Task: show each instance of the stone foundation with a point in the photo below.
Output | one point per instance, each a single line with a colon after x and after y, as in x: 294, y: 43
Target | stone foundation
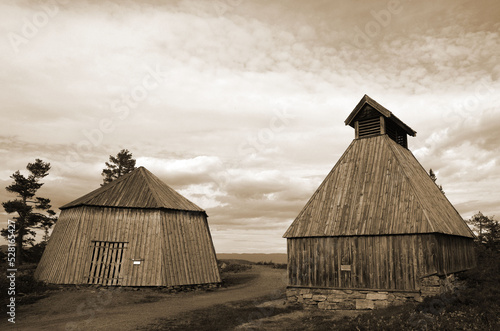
x: 326, y: 298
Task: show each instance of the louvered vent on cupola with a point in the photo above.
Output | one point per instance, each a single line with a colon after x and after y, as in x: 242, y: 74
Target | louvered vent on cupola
x: 371, y: 119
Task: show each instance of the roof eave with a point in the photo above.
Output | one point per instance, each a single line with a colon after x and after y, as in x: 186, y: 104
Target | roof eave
x: 131, y: 207
x: 374, y: 235
x: 405, y: 127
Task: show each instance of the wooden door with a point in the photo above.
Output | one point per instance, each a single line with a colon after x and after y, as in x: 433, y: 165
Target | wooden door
x: 106, y: 262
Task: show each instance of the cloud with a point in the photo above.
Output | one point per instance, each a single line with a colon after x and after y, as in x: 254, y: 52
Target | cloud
x: 224, y: 75
x: 182, y: 172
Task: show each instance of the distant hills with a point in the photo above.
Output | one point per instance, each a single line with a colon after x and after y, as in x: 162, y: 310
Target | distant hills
x: 275, y: 257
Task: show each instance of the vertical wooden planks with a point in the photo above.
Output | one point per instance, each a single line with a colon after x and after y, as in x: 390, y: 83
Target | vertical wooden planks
x: 377, y: 262
x: 190, y: 258
x: 169, y: 267
x: 382, y: 125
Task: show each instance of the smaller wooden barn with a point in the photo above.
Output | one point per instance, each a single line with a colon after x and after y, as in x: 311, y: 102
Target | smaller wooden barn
x: 134, y: 231
x: 378, y: 230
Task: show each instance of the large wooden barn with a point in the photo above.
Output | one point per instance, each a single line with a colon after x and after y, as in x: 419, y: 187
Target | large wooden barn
x: 134, y: 231
x: 378, y: 230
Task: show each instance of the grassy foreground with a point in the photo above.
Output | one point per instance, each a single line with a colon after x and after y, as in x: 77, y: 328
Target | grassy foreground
x: 475, y: 307
x: 27, y: 289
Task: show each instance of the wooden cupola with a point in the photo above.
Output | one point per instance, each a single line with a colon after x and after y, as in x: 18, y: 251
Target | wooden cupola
x: 369, y: 119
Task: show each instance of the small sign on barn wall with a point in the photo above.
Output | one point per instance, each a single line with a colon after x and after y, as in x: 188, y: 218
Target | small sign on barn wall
x: 345, y: 267
x: 136, y: 261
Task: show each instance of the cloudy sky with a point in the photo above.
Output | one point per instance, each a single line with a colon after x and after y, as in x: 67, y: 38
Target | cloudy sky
x: 240, y: 104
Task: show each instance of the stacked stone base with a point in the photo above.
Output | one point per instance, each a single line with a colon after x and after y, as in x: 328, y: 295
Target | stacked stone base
x: 341, y: 299
x: 348, y: 299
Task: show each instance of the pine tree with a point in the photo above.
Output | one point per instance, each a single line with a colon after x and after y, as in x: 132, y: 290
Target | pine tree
x: 26, y: 204
x: 434, y: 178
x: 118, y: 165
x: 488, y: 230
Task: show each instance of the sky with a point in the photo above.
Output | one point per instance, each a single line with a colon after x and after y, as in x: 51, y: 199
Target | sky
x: 240, y: 105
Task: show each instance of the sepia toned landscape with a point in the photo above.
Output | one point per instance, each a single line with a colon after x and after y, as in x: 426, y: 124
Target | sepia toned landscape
x: 250, y: 165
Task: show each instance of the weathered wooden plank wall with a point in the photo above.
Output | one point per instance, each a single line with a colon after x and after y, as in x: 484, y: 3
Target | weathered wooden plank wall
x: 55, y: 261
x: 173, y: 247
x: 375, y: 262
x: 189, y: 256
x: 454, y: 254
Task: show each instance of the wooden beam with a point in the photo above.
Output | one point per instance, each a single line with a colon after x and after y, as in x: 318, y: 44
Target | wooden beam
x: 382, y: 125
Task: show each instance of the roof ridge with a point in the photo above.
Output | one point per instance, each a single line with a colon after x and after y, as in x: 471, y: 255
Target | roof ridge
x: 154, y: 180
x: 138, y: 189
x: 100, y: 190
x: 319, y: 188
x: 147, y: 177
x: 444, y: 196
x: 407, y: 178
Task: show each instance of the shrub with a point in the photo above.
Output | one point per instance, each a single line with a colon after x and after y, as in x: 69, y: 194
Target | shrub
x: 272, y: 264
x: 227, y: 266
x: 34, y: 253
x: 28, y: 290
x: 280, y: 266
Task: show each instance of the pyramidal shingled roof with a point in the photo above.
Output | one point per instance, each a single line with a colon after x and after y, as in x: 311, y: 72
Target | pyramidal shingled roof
x: 137, y: 189
x: 377, y: 188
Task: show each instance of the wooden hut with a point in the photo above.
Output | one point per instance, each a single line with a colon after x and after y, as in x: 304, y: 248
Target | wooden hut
x: 134, y: 231
x: 378, y: 230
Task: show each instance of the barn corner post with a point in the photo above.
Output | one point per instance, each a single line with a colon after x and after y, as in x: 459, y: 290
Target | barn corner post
x: 377, y: 231
x: 134, y: 231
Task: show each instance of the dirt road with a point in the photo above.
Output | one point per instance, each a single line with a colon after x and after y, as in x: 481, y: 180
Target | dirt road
x: 118, y: 309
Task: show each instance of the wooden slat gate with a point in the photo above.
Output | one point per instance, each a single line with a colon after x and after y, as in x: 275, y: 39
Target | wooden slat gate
x: 106, y: 262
